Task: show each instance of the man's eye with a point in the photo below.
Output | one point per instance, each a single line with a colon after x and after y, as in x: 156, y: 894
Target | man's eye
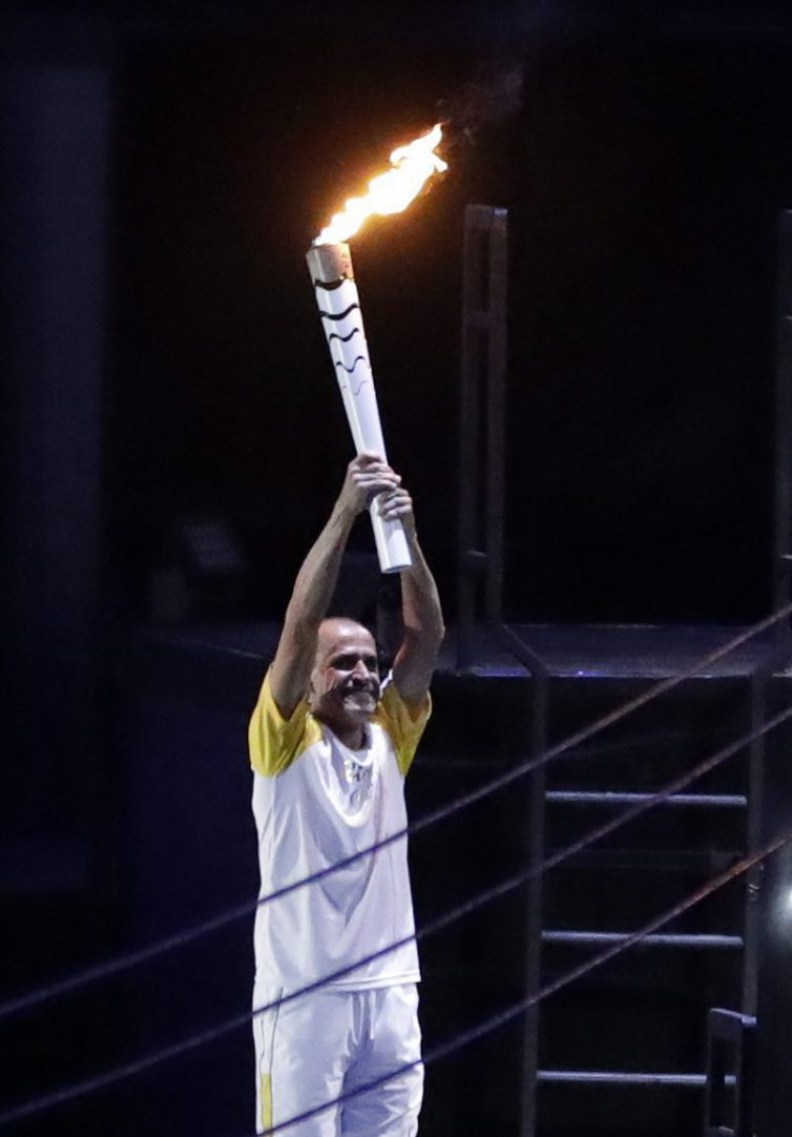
x: 349, y: 662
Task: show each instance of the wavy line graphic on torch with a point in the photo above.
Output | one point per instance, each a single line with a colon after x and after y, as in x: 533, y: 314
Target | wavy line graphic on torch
x: 337, y: 315
x: 330, y: 265
x: 351, y: 370
x: 343, y: 326
x: 356, y: 390
x: 344, y: 339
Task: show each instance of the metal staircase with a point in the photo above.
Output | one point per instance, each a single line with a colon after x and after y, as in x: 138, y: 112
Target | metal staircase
x: 629, y: 1048
x: 637, y: 1025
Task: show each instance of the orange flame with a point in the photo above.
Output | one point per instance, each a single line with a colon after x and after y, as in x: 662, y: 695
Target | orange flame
x: 391, y: 192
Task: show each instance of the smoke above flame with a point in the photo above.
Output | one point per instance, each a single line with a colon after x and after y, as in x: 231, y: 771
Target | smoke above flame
x: 411, y: 167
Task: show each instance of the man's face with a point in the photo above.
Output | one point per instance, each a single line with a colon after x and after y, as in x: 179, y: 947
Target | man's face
x: 345, y: 680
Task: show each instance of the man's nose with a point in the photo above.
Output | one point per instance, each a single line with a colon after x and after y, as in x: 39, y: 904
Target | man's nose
x: 361, y: 670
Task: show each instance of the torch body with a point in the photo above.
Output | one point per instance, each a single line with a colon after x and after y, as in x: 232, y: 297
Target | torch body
x: 339, y: 307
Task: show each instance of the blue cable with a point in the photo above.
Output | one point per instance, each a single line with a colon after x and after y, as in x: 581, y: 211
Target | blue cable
x: 202, y: 1038
x: 125, y: 962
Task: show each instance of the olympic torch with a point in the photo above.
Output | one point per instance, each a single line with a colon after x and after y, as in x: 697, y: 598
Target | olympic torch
x: 330, y: 265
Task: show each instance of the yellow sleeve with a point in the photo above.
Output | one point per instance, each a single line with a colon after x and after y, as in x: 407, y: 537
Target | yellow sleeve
x: 274, y: 742
x: 404, y: 722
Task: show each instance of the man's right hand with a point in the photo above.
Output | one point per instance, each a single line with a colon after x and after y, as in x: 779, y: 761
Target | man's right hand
x: 367, y: 475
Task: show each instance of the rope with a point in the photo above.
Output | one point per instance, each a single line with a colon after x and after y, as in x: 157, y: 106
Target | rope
x: 99, y: 972
x: 488, y: 1026
x: 203, y: 1038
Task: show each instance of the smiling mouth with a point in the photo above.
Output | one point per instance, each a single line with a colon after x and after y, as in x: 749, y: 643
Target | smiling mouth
x: 360, y: 699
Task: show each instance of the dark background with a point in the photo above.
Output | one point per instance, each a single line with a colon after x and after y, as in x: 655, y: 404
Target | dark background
x: 165, y: 169
x: 643, y: 175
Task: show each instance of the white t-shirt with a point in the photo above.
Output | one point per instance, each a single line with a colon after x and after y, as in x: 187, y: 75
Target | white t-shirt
x: 316, y: 803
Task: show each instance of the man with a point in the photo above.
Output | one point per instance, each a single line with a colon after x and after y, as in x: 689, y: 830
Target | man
x: 330, y: 747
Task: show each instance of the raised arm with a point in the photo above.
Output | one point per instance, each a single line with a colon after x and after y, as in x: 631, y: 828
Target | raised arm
x: 366, y: 476
x: 422, y: 614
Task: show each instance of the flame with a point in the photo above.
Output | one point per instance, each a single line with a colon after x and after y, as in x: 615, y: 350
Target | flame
x: 411, y: 167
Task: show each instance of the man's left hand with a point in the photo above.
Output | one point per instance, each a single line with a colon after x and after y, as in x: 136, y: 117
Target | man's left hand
x: 396, y: 505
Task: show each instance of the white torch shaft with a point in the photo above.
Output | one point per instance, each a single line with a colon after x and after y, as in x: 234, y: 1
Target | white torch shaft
x: 342, y: 320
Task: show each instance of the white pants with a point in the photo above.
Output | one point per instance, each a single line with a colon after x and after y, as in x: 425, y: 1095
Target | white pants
x: 313, y: 1049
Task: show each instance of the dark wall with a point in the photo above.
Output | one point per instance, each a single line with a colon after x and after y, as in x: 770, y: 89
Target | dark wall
x: 650, y: 184
x: 230, y: 159
x: 165, y: 360
x: 643, y: 177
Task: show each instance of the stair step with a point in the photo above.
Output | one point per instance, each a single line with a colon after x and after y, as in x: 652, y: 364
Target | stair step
x: 618, y: 1078
x: 608, y: 797
x: 657, y: 939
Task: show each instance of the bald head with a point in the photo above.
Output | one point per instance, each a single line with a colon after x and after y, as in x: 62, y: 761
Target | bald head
x: 339, y: 630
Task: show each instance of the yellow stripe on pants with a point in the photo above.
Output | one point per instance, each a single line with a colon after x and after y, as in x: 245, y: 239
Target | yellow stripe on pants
x: 265, y: 1098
